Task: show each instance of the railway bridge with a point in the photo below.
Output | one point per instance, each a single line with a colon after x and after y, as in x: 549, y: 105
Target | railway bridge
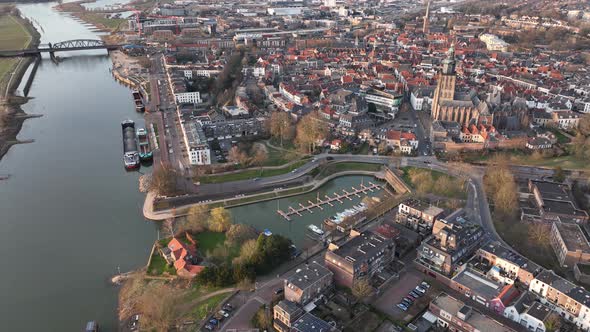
x: 64, y: 46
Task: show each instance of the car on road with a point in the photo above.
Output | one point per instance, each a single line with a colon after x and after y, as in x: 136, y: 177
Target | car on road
x: 330, y: 158
x: 279, y: 291
x: 402, y: 307
x: 256, y: 179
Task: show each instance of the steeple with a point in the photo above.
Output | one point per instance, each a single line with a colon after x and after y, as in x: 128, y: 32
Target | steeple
x: 449, y: 61
x: 425, y: 26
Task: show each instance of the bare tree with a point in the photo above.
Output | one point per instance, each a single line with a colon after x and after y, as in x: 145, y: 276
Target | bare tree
x: 157, y: 306
x: 362, y: 289
x: 196, y: 219
x: 310, y: 130
x: 247, y: 251
x: 163, y: 181
x: 280, y: 124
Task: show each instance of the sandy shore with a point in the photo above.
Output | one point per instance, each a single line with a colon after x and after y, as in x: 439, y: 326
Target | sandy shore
x: 11, y: 114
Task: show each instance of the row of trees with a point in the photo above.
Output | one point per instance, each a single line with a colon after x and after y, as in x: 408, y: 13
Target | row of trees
x: 248, y: 155
x: 200, y: 219
x: 501, y: 187
x: 308, y: 132
x: 258, y: 256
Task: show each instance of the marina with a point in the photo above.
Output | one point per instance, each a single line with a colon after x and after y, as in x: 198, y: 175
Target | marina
x: 328, y: 200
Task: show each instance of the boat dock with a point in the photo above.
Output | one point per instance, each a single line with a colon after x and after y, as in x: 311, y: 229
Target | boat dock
x: 328, y: 200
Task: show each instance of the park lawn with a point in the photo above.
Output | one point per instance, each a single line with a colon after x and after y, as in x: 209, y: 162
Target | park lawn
x: 208, y: 240
x: 13, y: 35
x: 278, y: 157
x: 406, y: 177
x: 249, y: 174
x: 349, y: 166
x: 205, y: 308
x: 158, y: 266
x: 565, y: 162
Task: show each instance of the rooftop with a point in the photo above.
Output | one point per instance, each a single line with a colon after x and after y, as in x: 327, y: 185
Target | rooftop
x: 573, y: 237
x: 362, y: 247
x: 502, y: 252
x: 478, y: 283
x: 307, y: 276
x: 475, y: 319
x: 309, y: 322
x: 539, y: 311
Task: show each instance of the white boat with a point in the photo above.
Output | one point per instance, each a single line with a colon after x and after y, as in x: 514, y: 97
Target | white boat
x: 315, y: 229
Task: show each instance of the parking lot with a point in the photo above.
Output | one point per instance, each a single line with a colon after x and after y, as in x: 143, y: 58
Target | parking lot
x: 388, y: 301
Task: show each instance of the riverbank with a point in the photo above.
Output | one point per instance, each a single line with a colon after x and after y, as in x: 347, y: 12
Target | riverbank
x: 22, y: 34
x: 150, y: 213
x: 97, y: 18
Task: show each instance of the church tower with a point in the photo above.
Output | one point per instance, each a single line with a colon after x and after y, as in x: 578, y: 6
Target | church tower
x: 426, y: 24
x: 445, y: 87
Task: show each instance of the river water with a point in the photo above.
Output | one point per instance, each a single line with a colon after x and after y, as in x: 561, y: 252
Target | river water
x: 70, y: 215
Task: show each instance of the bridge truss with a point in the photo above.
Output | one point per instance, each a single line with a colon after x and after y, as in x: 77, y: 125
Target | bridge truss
x: 78, y: 43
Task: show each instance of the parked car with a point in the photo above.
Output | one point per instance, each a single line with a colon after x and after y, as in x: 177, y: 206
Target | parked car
x: 409, y: 299
x: 209, y: 327
x: 412, y: 295
x: 279, y: 291
x: 415, y: 294
x: 425, y: 285
x: 403, y: 307
x: 419, y: 290
x: 213, y: 321
x: 223, y: 313
x: 228, y: 307
x: 406, y: 303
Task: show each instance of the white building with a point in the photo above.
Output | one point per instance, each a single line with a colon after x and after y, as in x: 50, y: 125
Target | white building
x: 421, y: 98
x: 285, y: 11
x: 196, y: 143
x: 493, y: 43
x: 188, y: 74
x: 188, y: 98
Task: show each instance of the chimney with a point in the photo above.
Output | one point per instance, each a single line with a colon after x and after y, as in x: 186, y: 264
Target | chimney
x: 354, y: 233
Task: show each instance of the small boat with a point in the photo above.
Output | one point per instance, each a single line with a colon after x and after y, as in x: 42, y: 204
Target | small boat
x: 315, y: 229
x: 138, y: 98
x: 91, y: 326
x: 145, y: 152
x: 267, y: 232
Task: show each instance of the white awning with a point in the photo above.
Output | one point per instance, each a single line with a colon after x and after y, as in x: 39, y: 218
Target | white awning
x: 429, y: 316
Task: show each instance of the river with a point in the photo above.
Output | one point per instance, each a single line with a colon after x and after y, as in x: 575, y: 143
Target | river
x: 70, y: 214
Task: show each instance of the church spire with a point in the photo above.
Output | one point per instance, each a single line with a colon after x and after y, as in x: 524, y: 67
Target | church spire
x: 449, y: 61
x: 426, y: 24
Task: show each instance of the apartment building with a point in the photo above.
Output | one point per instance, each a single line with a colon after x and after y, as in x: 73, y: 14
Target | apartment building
x: 360, y: 257
x: 308, y: 283
x: 454, y: 315
x: 507, y: 266
x: 570, y: 244
x: 418, y: 215
x: 451, y: 242
x: 555, y: 202
x: 570, y: 301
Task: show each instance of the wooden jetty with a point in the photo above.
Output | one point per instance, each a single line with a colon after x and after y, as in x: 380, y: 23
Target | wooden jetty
x: 328, y: 200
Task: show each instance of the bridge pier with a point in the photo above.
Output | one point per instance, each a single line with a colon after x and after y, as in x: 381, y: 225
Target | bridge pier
x: 53, y: 57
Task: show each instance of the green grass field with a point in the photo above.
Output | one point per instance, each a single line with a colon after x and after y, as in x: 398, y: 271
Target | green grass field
x: 349, y: 166
x: 248, y: 174
x: 13, y: 35
x: 207, y: 241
